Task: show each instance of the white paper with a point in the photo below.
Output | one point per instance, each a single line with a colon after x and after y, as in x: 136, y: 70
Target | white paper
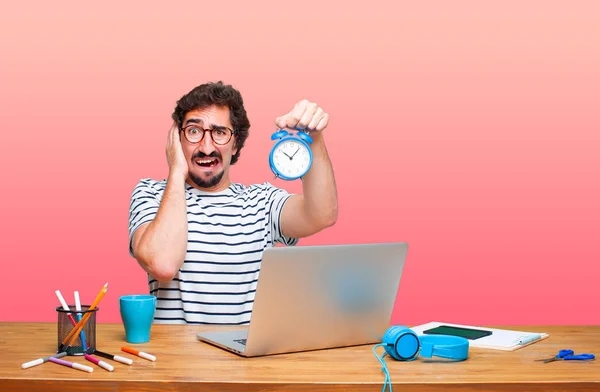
x: 500, y: 339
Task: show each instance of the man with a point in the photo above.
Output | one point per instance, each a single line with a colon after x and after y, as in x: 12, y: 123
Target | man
x: 199, y: 236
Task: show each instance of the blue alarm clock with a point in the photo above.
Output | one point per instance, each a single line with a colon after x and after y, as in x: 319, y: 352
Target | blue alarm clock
x: 291, y: 156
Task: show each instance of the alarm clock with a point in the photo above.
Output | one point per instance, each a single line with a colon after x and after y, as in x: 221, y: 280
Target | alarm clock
x: 291, y: 156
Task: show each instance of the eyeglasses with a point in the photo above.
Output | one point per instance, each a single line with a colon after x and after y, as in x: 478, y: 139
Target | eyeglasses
x: 219, y: 134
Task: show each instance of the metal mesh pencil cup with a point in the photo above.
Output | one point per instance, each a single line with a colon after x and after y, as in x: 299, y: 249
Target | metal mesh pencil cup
x: 65, y: 326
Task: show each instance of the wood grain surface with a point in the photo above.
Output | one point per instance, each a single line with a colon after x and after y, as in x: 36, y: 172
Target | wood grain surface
x: 185, y: 364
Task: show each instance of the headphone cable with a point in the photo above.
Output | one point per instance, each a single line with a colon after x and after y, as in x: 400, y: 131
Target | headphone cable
x: 387, y: 380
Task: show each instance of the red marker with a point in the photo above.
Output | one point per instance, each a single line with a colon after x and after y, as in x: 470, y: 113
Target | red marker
x: 102, y: 364
x: 65, y: 306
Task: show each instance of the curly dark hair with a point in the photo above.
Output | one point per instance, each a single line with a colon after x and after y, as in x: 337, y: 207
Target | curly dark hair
x: 218, y: 94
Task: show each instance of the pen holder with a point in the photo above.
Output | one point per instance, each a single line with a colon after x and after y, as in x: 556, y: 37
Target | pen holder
x: 65, y: 326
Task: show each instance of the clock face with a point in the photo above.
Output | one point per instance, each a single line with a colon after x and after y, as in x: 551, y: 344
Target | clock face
x: 291, y: 158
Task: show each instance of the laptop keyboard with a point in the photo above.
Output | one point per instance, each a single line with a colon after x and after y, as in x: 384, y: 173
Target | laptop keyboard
x: 240, y: 341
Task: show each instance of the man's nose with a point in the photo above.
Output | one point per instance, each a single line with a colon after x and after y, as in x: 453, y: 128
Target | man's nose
x: 207, y: 145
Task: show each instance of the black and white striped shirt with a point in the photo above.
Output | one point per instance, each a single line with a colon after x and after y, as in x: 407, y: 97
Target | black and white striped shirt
x: 227, y: 234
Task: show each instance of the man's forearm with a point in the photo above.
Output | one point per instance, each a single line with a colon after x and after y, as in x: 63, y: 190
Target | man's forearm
x: 162, y: 247
x: 318, y: 186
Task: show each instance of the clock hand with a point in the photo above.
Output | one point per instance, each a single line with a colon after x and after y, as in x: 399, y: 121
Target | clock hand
x: 294, y: 153
x: 286, y: 154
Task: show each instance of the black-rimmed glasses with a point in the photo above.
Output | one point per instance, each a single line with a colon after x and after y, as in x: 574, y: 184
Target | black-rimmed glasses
x: 219, y: 134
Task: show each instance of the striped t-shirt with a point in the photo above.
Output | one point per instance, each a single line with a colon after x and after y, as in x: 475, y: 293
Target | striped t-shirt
x: 227, y: 234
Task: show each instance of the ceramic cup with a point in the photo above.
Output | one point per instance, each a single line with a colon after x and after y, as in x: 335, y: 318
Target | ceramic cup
x: 137, y: 313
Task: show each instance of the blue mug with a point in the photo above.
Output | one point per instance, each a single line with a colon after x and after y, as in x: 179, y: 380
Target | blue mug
x: 137, y: 313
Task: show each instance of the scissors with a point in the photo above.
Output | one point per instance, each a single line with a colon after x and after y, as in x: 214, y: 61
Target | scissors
x: 568, y: 355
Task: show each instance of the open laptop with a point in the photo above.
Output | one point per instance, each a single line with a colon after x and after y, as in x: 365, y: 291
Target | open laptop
x: 317, y: 297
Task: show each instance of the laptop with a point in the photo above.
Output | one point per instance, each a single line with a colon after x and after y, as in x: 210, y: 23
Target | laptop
x: 318, y: 297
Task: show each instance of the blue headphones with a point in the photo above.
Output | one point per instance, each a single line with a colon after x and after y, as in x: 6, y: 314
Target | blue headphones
x: 403, y: 344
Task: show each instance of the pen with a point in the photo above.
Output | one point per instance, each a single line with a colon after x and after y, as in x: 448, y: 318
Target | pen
x: 71, y: 364
x: 142, y: 354
x: 528, y: 339
x: 39, y: 361
x: 102, y: 364
x: 117, y: 358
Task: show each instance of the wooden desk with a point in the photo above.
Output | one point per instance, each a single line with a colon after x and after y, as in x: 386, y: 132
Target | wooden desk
x: 184, y: 364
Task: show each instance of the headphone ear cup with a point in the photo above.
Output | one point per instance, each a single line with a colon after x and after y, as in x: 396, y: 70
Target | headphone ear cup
x: 401, y: 343
x: 390, y: 337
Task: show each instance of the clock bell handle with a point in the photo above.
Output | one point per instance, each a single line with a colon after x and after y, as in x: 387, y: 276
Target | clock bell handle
x: 305, y: 136
x: 279, y: 134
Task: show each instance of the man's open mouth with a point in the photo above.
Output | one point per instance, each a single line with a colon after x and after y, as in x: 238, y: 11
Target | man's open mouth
x: 207, y: 162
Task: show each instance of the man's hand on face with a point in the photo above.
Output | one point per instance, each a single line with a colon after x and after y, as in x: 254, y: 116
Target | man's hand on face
x: 177, y: 164
x: 305, y: 115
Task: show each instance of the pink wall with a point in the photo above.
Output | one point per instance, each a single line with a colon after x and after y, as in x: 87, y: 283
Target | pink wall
x: 468, y: 130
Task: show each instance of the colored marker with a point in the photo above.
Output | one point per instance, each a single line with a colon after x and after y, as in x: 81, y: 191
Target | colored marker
x: 141, y: 354
x: 78, y: 308
x: 117, y: 358
x: 71, y: 364
x: 65, y: 306
x: 39, y: 361
x: 102, y: 364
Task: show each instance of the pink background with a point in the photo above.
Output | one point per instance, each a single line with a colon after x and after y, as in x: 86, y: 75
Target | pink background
x: 468, y: 130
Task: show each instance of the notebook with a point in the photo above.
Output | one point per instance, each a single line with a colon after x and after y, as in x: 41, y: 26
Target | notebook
x: 499, y: 339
